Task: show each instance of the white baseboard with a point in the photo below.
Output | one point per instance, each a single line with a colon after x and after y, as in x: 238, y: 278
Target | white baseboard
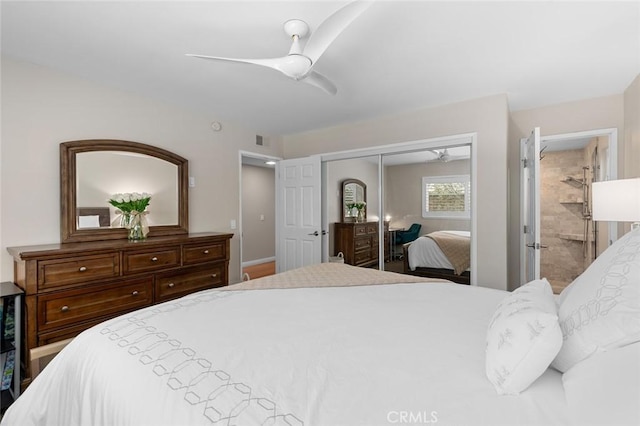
x: 258, y: 261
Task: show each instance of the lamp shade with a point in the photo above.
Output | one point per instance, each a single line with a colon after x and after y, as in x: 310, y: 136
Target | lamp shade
x: 616, y: 200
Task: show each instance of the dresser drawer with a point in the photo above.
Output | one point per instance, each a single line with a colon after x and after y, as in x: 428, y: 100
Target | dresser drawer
x: 360, y: 229
x: 151, y: 260
x: 372, y: 228
x: 362, y: 257
x: 187, y: 280
x: 204, y: 253
x: 362, y: 244
x: 74, y: 306
x: 79, y: 269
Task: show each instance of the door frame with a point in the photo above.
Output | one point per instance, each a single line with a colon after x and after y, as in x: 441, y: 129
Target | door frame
x: 404, y: 147
x: 612, y: 133
x: 257, y: 156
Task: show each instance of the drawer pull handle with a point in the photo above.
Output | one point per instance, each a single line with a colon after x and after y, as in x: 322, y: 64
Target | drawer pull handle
x: 206, y: 252
x: 82, y: 268
x: 171, y: 285
x: 214, y: 275
x: 154, y: 259
x: 65, y: 308
x: 135, y: 293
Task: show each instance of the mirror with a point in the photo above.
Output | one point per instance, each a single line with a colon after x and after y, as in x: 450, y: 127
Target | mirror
x: 92, y: 171
x: 354, y: 194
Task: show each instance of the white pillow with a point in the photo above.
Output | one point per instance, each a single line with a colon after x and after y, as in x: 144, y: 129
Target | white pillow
x: 601, y: 308
x: 91, y: 221
x: 605, y: 388
x: 523, y: 338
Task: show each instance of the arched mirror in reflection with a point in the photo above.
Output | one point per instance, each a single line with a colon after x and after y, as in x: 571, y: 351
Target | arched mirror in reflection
x: 93, y: 171
x: 354, y: 200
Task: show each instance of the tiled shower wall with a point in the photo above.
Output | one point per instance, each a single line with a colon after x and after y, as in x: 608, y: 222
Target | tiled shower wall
x: 561, y: 223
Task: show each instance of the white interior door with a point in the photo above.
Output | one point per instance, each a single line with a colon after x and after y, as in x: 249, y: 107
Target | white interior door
x: 531, y: 209
x: 298, y: 209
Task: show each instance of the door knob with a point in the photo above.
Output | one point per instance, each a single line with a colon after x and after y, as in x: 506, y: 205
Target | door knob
x: 314, y: 234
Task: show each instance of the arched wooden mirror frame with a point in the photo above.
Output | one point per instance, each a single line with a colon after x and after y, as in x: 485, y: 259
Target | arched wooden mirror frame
x: 69, y: 231
x: 346, y: 182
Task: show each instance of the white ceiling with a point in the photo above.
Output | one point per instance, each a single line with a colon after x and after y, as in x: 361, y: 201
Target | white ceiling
x: 398, y: 55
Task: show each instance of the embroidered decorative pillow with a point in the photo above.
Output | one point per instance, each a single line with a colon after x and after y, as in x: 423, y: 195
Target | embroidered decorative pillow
x: 600, y: 310
x: 523, y: 338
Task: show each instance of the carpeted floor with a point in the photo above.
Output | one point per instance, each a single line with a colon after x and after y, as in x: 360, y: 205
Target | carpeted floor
x: 395, y: 266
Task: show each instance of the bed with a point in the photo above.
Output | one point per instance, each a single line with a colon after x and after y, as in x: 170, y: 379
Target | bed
x: 93, y: 217
x: 425, y: 256
x: 380, y: 349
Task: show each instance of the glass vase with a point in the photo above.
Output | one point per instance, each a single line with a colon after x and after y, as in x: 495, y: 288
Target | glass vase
x: 125, y: 220
x: 135, y: 228
x: 360, y: 217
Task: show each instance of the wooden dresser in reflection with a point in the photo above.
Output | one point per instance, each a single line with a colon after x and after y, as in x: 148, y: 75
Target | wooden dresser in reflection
x: 73, y: 286
x: 359, y: 242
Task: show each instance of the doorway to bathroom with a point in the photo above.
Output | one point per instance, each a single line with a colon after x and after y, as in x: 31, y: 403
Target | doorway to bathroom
x: 569, y: 239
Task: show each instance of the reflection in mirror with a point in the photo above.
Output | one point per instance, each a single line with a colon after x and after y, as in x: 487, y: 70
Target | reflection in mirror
x: 100, y: 174
x: 93, y: 171
x: 423, y: 196
x: 354, y: 195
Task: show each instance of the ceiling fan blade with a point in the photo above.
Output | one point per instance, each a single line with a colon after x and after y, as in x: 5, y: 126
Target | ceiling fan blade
x: 294, y: 66
x: 331, y: 28
x: 318, y: 80
x: 271, y: 63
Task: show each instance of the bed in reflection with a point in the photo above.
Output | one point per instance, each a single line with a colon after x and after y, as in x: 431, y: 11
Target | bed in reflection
x: 334, y: 344
x: 93, y: 217
x: 440, y: 254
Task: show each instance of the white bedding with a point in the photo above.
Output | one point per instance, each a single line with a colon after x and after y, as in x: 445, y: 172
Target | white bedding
x: 368, y: 355
x: 424, y: 252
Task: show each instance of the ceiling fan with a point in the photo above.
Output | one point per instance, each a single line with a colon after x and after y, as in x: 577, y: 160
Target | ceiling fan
x: 443, y: 156
x: 299, y: 62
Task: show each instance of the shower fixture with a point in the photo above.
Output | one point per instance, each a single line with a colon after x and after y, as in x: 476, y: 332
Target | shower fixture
x: 578, y: 183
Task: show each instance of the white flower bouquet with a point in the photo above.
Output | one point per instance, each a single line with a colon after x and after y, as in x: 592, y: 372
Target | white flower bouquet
x: 130, y: 201
x: 131, y: 208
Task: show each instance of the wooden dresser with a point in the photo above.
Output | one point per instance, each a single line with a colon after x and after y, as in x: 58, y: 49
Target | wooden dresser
x: 73, y: 286
x: 359, y: 242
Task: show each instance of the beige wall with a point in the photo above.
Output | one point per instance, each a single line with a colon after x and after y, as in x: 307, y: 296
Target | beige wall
x: 487, y: 116
x: 41, y: 108
x: 258, y: 213
x: 403, y: 200
x: 590, y: 114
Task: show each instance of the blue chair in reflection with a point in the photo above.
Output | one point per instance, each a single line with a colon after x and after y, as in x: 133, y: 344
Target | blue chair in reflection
x: 403, y: 237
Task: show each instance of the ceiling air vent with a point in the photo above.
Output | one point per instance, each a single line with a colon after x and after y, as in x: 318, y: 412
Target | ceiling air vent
x: 259, y: 140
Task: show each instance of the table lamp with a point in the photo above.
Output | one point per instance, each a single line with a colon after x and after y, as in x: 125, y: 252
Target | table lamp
x: 617, y: 201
